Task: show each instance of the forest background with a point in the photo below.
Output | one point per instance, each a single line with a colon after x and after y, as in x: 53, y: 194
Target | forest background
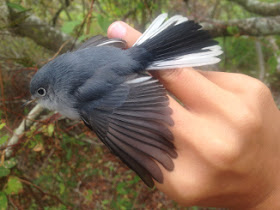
x: 50, y: 162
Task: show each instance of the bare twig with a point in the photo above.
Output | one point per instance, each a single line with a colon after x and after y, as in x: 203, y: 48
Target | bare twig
x: 90, y: 141
x: 3, y: 95
x: 2, y: 158
x: 47, y: 159
x: 41, y: 190
x: 57, y: 15
x: 26, y: 123
x: 89, y: 17
x: 59, y: 50
x: 36, y: 196
x: 62, y: 7
x: 81, y: 27
x: 260, y: 7
x: 11, y: 201
x: 257, y: 26
x: 260, y: 60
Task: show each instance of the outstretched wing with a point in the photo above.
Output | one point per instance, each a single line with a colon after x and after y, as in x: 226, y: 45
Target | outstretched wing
x: 133, y: 122
x: 99, y: 40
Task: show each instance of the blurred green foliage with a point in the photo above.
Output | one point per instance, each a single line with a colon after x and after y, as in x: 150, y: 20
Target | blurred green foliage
x: 59, y: 164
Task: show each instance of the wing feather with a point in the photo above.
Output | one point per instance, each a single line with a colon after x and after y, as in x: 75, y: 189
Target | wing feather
x: 133, y: 122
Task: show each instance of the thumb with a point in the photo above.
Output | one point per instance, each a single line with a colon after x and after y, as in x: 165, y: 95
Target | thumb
x: 123, y: 31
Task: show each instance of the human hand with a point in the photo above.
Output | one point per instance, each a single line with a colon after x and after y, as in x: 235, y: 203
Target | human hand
x: 226, y: 134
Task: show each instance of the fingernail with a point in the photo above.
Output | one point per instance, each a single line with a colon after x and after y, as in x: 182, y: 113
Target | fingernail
x: 117, y: 30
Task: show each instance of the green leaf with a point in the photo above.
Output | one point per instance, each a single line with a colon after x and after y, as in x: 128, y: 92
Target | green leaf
x: 50, y: 129
x: 104, y: 202
x: 4, y: 139
x: 2, y: 125
x: 121, y: 188
x: 103, y: 22
x: 61, y: 188
x: 136, y: 179
x: 4, y: 171
x: 82, y: 37
x: 59, y: 207
x: 272, y: 64
x: 89, y: 195
x: 10, y: 163
x: 140, y: 5
x: 17, y: 7
x: 3, y: 201
x: 69, y: 26
x: 232, y: 30
x: 14, y: 186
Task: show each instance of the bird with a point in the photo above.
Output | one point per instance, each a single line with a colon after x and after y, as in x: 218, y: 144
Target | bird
x: 109, y: 87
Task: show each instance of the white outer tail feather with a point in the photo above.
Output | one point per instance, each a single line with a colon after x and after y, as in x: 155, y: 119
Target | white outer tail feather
x: 155, y: 25
x: 188, y: 60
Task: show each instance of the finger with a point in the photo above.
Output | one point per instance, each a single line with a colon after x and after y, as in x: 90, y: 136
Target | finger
x: 228, y: 81
x: 123, y: 31
x: 189, y: 136
x: 191, y: 88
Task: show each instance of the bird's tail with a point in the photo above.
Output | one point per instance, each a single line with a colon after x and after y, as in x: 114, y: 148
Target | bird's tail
x: 175, y: 43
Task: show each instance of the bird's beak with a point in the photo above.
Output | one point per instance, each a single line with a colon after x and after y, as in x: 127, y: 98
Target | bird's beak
x: 29, y: 102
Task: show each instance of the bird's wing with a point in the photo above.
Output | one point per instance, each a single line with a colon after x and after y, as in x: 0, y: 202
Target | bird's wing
x: 99, y: 40
x: 136, y: 129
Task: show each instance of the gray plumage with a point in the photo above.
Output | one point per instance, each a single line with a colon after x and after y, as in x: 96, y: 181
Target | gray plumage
x: 108, y: 88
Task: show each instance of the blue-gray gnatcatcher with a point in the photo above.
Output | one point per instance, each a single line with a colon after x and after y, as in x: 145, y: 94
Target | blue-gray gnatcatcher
x: 109, y: 88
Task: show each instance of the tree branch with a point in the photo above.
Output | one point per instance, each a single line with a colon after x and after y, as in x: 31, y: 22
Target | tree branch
x: 261, y: 8
x: 28, y: 25
x: 258, y: 26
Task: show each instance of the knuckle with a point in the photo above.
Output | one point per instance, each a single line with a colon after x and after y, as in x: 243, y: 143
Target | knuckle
x: 248, y: 120
x: 257, y: 88
x: 247, y: 116
x: 195, y: 184
x: 227, y: 152
x: 246, y: 125
x: 252, y: 86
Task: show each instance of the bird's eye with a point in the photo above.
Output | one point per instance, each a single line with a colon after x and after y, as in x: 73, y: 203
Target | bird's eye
x: 41, y: 91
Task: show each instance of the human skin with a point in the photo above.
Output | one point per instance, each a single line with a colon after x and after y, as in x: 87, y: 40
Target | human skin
x: 227, y: 136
